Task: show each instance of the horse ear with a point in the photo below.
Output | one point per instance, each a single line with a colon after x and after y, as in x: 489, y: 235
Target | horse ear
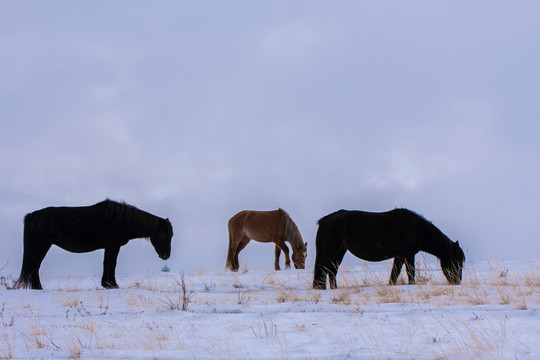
x: 305, y: 244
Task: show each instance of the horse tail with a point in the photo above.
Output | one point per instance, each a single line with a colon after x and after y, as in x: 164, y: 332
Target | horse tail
x: 24, y: 277
x: 234, y: 224
x: 320, y: 271
x: 228, y: 263
x: 324, y: 235
x: 326, y: 245
x: 319, y: 244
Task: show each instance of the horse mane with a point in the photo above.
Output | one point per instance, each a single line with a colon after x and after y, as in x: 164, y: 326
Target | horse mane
x: 124, y: 213
x: 291, y: 230
x: 430, y: 230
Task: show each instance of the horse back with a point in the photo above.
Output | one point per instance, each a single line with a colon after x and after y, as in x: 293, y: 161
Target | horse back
x: 371, y: 236
x: 263, y: 226
x: 76, y: 229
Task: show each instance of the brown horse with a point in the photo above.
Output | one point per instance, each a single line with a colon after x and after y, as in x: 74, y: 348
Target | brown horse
x: 266, y: 226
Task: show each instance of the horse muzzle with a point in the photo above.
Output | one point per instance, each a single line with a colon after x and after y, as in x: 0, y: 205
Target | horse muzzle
x: 164, y: 256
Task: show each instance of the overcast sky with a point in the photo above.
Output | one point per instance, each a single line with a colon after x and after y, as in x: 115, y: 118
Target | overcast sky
x: 195, y: 110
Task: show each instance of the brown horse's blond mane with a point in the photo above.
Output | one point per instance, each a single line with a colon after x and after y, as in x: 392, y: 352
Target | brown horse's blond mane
x: 291, y: 231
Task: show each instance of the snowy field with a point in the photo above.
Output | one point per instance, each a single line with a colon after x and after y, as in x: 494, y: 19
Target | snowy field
x: 257, y: 314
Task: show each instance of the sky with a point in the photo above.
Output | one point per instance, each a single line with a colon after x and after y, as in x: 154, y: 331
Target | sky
x: 197, y: 110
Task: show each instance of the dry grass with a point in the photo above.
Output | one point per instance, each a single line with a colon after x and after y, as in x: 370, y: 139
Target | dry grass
x: 92, y: 330
x: 500, y: 287
x: 70, y: 300
x: 475, y: 295
x: 74, y: 349
x: 370, y: 287
x: 270, y: 279
x: 531, y: 279
x: 149, y: 283
x: 479, y: 339
x: 285, y: 294
x: 341, y: 296
x: 265, y: 329
x: 183, y: 297
x: 316, y: 296
x: 135, y: 300
x: 243, y: 297
x: 8, y: 340
x: 389, y: 294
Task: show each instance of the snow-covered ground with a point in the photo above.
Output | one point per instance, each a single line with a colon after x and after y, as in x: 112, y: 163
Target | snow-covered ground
x: 260, y: 314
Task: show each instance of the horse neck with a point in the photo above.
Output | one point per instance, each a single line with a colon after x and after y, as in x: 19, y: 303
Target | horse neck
x: 293, y: 235
x: 141, y: 224
x: 435, y: 242
x: 296, y: 243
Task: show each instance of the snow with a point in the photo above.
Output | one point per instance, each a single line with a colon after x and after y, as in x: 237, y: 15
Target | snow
x: 264, y: 314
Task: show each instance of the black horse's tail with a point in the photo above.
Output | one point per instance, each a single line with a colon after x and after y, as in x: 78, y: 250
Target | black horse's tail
x: 24, y: 278
x: 327, y: 246
x: 319, y: 273
x: 321, y: 239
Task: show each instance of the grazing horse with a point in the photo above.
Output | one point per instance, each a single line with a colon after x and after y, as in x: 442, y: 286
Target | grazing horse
x: 266, y: 226
x: 106, y: 225
x: 398, y: 234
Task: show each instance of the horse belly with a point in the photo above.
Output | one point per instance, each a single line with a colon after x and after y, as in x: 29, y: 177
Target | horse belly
x: 371, y: 255
x: 259, y: 236
x: 77, y: 233
x: 369, y: 250
x: 79, y: 244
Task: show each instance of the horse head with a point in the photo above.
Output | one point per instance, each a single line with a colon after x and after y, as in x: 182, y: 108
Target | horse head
x: 161, y: 240
x: 452, y: 266
x: 299, y: 256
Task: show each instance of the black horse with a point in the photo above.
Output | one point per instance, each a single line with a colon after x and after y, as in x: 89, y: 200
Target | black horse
x: 398, y: 234
x: 106, y: 225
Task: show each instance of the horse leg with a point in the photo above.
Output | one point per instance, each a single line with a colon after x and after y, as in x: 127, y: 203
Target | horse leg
x: 282, y: 246
x: 34, y: 250
x: 334, y: 268
x: 410, y: 267
x: 321, y: 268
x: 27, y: 270
x: 243, y: 243
x: 327, y: 263
x: 108, y: 280
x: 277, y: 253
x: 396, y: 269
x: 34, y: 277
x: 230, y: 252
x: 319, y: 277
x: 33, y: 256
x: 30, y: 269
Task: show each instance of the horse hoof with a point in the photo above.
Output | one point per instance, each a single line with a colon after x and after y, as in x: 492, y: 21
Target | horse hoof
x: 110, y: 286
